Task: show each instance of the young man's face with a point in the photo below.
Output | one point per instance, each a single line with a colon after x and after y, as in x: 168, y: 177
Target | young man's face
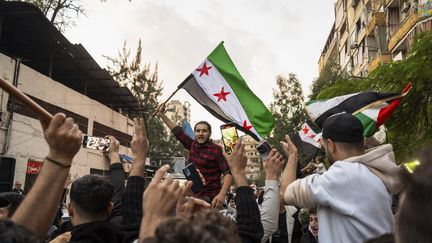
x: 17, y: 185
x: 202, y: 133
x: 313, y: 224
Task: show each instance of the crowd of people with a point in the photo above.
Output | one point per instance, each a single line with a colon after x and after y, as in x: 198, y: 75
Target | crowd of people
x: 351, y: 201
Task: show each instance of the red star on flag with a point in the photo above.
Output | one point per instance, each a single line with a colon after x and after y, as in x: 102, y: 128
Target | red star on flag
x: 312, y: 136
x: 305, y: 130
x: 204, y: 69
x: 222, y: 94
x: 245, y: 125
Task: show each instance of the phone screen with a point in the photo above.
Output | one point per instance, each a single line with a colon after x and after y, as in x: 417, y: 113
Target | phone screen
x: 97, y: 143
x: 229, y: 137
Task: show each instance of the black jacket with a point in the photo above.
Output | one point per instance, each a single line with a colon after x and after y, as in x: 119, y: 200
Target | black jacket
x: 97, y: 232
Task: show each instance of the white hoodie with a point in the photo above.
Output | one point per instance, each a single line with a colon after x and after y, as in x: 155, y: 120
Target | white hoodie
x: 353, y: 196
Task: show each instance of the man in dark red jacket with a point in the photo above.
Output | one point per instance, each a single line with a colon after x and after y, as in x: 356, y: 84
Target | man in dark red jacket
x: 207, y: 158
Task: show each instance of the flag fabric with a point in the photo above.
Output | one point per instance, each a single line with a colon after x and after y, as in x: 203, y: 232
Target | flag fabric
x: 218, y: 86
x: 305, y: 140
x: 372, y: 108
x: 372, y: 118
x: 188, y: 129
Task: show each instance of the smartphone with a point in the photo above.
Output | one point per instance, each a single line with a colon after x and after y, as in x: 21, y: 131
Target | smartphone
x: 264, y: 149
x: 191, y: 174
x: 229, y: 136
x: 97, y: 143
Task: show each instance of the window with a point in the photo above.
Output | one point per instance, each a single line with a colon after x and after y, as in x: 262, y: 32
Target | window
x: 94, y: 171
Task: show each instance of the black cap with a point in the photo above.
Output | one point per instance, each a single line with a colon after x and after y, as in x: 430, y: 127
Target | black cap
x: 4, y: 202
x: 343, y: 127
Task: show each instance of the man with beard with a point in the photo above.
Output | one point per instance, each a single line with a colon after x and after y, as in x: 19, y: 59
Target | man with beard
x: 354, y: 196
x: 207, y: 158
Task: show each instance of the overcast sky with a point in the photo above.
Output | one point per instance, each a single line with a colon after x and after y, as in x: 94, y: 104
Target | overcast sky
x: 263, y: 37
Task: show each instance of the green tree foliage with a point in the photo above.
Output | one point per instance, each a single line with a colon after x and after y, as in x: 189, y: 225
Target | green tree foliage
x: 287, y: 108
x: 410, y: 126
x: 330, y: 74
x: 145, y: 86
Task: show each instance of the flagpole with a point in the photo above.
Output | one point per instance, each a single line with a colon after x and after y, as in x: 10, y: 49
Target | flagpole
x: 175, y: 91
x: 18, y: 94
x: 155, y: 112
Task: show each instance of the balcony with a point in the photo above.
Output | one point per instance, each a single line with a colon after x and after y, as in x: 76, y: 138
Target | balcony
x: 376, y: 19
x: 378, y: 60
x: 402, y: 30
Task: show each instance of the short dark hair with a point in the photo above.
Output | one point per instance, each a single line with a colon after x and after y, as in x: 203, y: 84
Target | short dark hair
x: 312, y: 211
x: 351, y: 146
x: 11, y: 233
x: 205, y: 123
x: 414, y: 226
x: 202, y: 227
x: 92, y: 195
x: 14, y: 200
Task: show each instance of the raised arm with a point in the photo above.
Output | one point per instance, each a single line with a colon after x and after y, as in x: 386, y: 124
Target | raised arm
x: 39, y: 207
x: 165, y: 119
x: 132, y: 197
x: 248, y: 216
x: 289, y: 173
x: 270, y: 207
x: 117, y: 178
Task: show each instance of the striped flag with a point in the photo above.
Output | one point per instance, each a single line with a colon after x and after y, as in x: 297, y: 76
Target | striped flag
x: 305, y: 140
x: 218, y: 86
x: 372, y: 108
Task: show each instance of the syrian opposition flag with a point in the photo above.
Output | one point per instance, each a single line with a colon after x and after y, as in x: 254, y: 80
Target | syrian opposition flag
x: 372, y: 108
x: 305, y: 140
x: 218, y: 86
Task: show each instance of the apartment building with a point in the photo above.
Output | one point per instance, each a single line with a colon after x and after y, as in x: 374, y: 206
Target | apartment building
x: 367, y: 33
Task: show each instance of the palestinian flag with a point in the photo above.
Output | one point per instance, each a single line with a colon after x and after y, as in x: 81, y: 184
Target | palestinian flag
x: 218, y: 86
x: 372, y: 108
x: 305, y: 140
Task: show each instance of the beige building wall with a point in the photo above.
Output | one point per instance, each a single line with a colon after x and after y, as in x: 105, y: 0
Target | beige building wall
x: 253, y: 167
x: 26, y: 140
x: 373, y: 32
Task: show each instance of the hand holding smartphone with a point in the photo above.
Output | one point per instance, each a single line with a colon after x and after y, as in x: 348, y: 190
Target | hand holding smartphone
x: 264, y: 149
x: 229, y: 137
x: 191, y: 174
x: 97, y: 143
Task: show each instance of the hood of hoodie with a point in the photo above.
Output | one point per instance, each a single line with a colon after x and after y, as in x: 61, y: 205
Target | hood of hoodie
x: 380, y: 160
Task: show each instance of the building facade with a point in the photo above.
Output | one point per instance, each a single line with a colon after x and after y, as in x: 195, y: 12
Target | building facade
x: 178, y: 111
x: 253, y: 167
x: 61, y: 77
x: 368, y: 33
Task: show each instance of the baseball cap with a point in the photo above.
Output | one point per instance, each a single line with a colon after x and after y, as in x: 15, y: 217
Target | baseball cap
x: 343, y: 127
x: 4, y: 202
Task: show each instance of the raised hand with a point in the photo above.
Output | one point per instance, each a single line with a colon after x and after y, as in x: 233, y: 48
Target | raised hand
x: 159, y: 199
x: 188, y: 205
x: 139, y: 143
x: 273, y: 165
x: 64, y: 138
x: 289, y: 147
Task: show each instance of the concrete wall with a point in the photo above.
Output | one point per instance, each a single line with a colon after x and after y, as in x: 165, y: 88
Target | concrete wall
x: 26, y: 138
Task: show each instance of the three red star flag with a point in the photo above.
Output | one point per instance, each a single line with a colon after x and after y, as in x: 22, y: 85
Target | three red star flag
x: 305, y: 141
x: 218, y: 86
x: 371, y: 108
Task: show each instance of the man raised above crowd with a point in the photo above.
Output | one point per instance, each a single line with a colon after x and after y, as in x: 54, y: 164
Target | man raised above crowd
x: 207, y: 158
x: 355, y: 195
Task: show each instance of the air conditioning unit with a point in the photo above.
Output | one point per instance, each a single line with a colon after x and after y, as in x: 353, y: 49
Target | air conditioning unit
x: 405, y: 7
